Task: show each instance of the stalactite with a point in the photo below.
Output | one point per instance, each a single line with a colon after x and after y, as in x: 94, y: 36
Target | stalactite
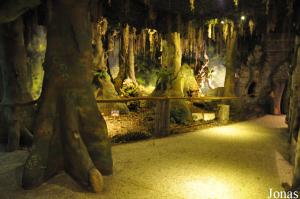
x: 200, y: 40
x: 267, y: 6
x: 236, y: 3
x: 192, y: 5
x: 126, y: 35
x: 112, y: 41
x: 199, y: 47
x: 131, y: 56
x: 290, y: 6
x: 211, y: 28
x: 251, y: 26
x: 102, y: 26
x: 231, y: 28
x: 191, y: 39
x: 147, y: 2
x: 127, y: 7
x: 144, y: 41
x: 152, y: 14
x: 100, y: 57
x: 225, y: 30
x: 152, y: 38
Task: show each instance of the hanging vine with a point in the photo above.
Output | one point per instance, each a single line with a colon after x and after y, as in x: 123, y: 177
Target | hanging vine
x: 126, y: 35
x: 192, y: 5
x: 211, y: 28
x: 144, y: 40
x: 290, y: 6
x: 191, y: 38
x: 251, y: 26
x: 225, y: 30
x: 231, y: 23
x: 267, y: 6
x: 236, y: 3
x: 152, y: 38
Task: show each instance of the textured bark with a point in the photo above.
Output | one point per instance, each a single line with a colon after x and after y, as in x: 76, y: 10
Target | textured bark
x: 131, y: 56
x: 70, y: 132
x: 36, y: 48
x: 16, y: 81
x: 123, y: 59
x: 294, y: 115
x: 106, y: 89
x: 171, y: 82
x: 1, y: 81
x: 10, y: 10
x: 229, y: 88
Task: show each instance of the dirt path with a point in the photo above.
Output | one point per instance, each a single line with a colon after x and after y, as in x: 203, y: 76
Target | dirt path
x: 238, y: 161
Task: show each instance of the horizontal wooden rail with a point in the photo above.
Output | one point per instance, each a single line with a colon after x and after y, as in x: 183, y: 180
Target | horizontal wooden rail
x: 133, y: 99
x: 165, y: 98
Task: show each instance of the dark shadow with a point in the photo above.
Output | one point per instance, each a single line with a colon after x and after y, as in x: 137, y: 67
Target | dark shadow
x: 251, y: 89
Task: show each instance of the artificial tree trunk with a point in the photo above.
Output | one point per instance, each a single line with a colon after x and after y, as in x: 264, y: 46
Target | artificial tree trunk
x: 171, y: 81
x: 113, y: 54
x: 131, y: 56
x: 70, y: 133
x: 15, y: 81
x: 229, y: 86
x: 36, y: 48
x: 10, y: 10
x: 105, y: 87
x: 123, y: 58
x: 294, y: 115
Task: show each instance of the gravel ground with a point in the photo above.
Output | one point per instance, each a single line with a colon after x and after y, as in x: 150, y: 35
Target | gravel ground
x: 238, y: 161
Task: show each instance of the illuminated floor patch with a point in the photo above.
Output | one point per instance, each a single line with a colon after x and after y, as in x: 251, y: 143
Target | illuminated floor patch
x: 239, y: 161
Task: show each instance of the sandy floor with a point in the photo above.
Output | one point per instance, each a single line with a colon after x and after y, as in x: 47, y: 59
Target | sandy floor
x: 237, y: 161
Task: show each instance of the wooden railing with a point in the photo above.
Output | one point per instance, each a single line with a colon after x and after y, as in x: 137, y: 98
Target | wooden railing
x: 164, y: 98
x: 162, y: 109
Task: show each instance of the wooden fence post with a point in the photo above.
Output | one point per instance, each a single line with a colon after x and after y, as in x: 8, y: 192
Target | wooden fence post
x: 223, y: 113
x: 162, y: 118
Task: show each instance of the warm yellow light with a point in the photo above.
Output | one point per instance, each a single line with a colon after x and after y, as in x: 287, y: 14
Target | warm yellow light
x: 237, y: 132
x: 207, y: 188
x: 243, y: 18
x: 222, y: 22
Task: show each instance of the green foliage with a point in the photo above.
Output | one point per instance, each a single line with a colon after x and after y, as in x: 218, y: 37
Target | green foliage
x: 164, y: 73
x: 130, y: 137
x: 129, y: 89
x: 146, y: 71
x: 178, y: 116
x: 141, y: 81
x: 100, y: 74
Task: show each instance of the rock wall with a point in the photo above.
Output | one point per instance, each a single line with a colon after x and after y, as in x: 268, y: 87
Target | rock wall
x: 262, y: 80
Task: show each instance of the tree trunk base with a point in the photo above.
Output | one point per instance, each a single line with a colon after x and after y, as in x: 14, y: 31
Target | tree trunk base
x: 71, y: 135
